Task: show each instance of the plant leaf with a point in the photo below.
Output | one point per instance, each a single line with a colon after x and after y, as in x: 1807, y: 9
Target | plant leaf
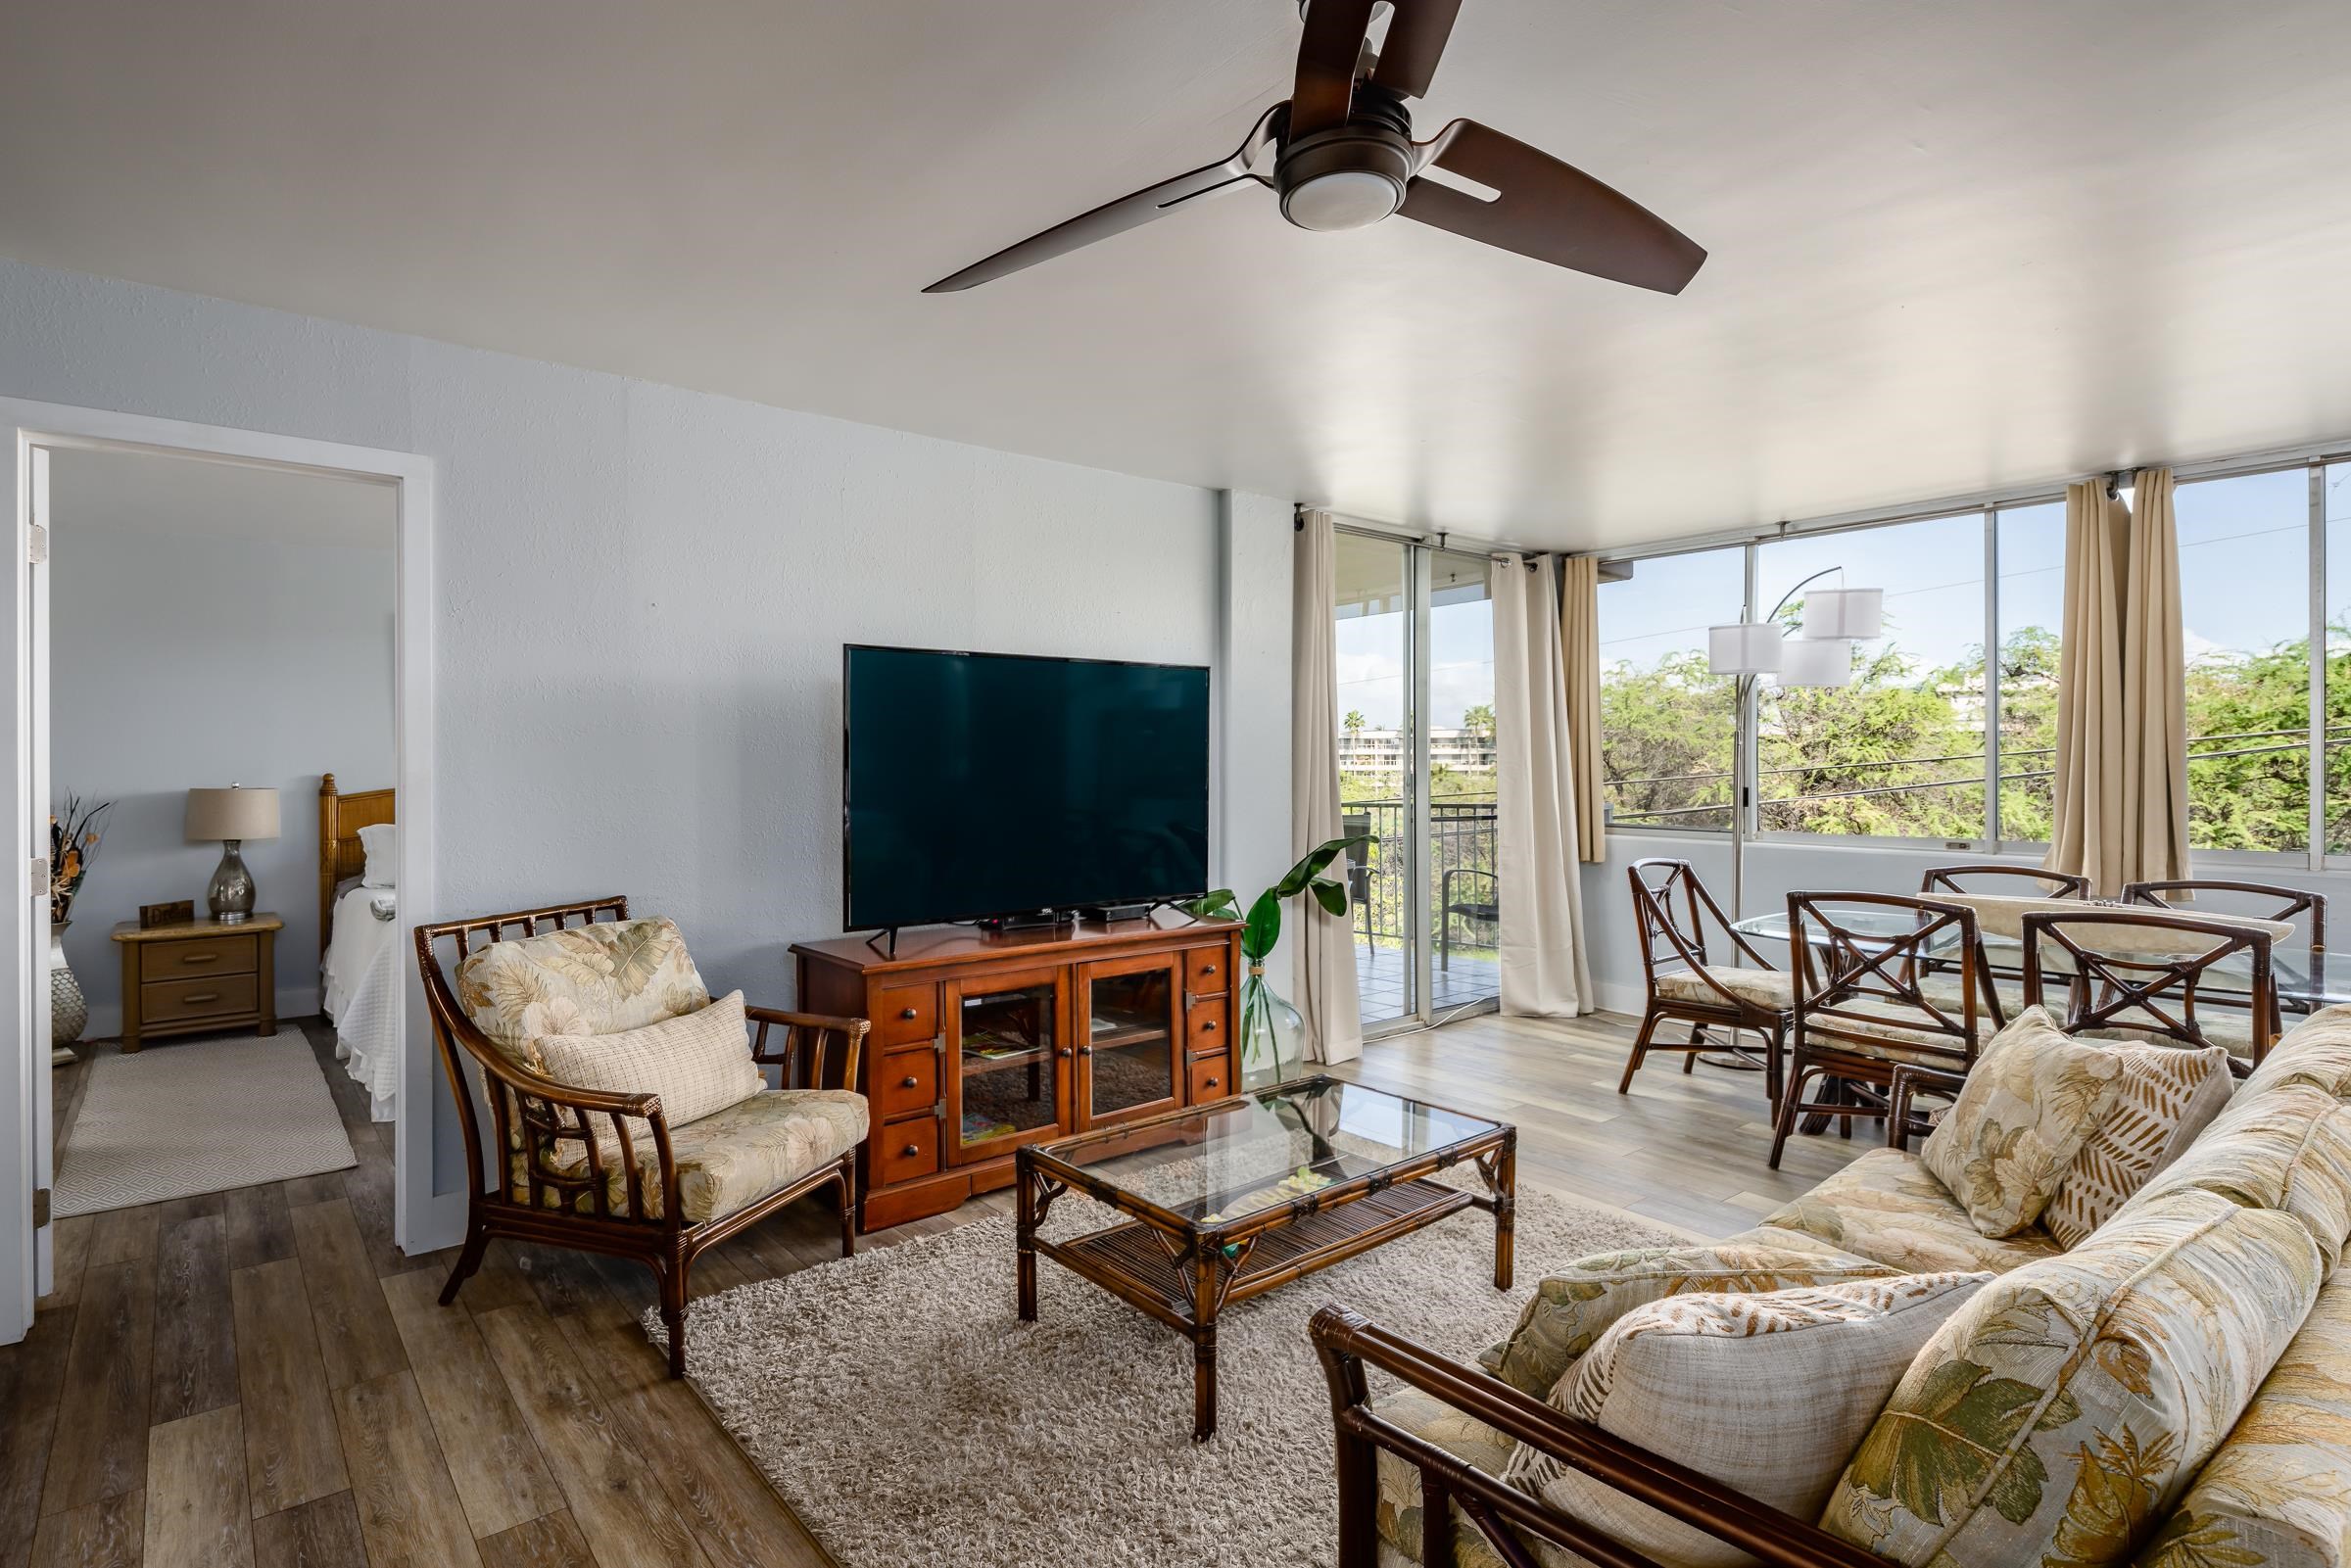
x: 1332, y: 896
x: 1308, y: 868
x: 1219, y: 905
x: 1264, y: 928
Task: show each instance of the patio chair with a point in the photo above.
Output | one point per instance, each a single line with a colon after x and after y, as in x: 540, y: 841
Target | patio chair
x: 2141, y: 973
x: 1483, y: 911
x: 1686, y: 986
x: 1862, y: 1009
x: 600, y: 1171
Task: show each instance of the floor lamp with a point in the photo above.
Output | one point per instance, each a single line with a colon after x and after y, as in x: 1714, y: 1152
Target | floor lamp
x: 1821, y: 653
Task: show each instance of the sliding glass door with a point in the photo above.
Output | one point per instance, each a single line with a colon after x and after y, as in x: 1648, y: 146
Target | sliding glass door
x: 1415, y: 743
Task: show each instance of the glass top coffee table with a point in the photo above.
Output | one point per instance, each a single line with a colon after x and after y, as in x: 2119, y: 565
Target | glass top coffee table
x: 1231, y: 1199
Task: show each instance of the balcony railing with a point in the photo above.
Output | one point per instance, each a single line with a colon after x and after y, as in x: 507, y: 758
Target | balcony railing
x: 1460, y: 832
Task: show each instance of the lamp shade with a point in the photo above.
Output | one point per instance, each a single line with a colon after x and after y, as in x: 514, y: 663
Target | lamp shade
x: 1853, y: 612
x: 1817, y: 661
x: 1750, y: 647
x: 219, y: 815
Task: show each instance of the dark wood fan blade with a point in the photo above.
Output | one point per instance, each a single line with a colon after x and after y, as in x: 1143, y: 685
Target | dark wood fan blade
x: 1549, y: 211
x: 1415, y: 41
x: 1113, y: 218
x: 1329, y: 50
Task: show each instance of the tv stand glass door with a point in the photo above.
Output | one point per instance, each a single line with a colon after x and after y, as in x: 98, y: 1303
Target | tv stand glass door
x: 1008, y: 1057
x: 1131, y: 1032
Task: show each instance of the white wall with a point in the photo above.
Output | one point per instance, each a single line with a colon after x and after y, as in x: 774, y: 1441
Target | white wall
x: 1253, y: 758
x: 644, y: 592
x: 1776, y: 868
x: 183, y: 654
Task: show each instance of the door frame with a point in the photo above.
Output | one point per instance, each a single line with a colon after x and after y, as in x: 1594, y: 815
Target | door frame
x: 421, y: 1220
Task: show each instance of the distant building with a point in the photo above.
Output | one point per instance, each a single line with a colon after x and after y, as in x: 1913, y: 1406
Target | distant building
x: 1382, y: 750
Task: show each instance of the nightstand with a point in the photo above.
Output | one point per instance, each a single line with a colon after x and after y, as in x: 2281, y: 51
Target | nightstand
x: 198, y: 978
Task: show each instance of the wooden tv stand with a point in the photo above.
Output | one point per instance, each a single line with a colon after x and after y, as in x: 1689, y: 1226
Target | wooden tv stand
x: 982, y: 1043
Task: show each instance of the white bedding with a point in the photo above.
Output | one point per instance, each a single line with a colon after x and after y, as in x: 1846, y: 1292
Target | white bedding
x: 361, y: 978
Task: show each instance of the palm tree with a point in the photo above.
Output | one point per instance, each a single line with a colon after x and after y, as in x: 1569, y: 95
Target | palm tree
x: 1352, y: 724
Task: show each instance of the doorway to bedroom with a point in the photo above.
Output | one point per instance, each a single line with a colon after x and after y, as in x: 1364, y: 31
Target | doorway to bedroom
x: 224, y: 983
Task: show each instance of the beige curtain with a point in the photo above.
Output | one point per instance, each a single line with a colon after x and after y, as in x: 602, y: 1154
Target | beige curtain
x: 1579, y: 650
x: 2119, y: 794
x: 1323, y: 946
x: 1539, y: 884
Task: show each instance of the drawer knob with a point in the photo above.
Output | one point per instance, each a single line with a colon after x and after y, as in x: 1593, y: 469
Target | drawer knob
x: 907, y: 1014
x: 1214, y: 1082
x: 907, y: 1082
x: 1208, y: 968
x: 1209, y: 1027
x: 910, y: 1151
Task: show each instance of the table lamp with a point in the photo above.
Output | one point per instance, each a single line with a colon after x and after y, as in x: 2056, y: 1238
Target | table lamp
x: 231, y: 816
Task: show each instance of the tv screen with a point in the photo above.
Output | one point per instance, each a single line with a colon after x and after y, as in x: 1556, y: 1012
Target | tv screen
x: 989, y: 783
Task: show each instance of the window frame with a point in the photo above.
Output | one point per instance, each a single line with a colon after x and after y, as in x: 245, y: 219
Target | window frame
x: 2313, y: 858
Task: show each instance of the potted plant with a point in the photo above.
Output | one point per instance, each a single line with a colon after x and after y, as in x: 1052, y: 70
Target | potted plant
x: 1273, y: 1035
x: 73, y: 846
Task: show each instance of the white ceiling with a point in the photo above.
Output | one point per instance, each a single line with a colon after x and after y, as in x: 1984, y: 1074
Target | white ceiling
x: 153, y: 493
x: 1956, y: 246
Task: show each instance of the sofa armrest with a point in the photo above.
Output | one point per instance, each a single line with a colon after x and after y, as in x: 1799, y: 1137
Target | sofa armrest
x: 818, y: 1052
x: 1907, y: 1081
x: 1346, y: 1343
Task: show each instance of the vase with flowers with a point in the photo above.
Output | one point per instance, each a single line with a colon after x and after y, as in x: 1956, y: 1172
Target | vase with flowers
x: 73, y: 846
x: 1273, y: 1035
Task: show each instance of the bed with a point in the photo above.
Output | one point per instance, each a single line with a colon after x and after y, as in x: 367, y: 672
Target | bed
x: 358, y: 946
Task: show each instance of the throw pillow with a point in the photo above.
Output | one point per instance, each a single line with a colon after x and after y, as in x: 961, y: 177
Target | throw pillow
x: 380, y: 844
x: 1573, y: 1308
x: 602, y: 979
x: 2167, y: 1095
x: 1769, y: 1394
x: 699, y: 1063
x: 2032, y: 1100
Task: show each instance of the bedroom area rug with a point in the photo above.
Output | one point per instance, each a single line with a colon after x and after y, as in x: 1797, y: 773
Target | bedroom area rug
x: 199, y: 1115
x: 900, y: 1407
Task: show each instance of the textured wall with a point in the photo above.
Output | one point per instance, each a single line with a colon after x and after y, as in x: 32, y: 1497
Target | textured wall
x: 644, y: 592
x: 294, y: 677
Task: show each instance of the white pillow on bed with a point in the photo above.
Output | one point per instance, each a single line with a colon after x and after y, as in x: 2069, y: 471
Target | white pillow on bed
x: 381, y: 845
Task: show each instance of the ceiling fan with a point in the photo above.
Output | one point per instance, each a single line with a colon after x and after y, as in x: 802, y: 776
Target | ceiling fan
x: 1343, y: 158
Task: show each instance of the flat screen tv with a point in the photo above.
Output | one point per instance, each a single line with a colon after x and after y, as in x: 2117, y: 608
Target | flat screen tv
x: 987, y: 785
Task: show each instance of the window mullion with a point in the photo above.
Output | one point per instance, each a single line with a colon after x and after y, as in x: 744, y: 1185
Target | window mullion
x: 1991, y: 679
x: 2318, y: 666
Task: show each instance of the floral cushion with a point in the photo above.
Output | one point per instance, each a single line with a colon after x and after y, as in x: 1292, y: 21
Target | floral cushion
x: 2032, y: 1100
x: 2064, y: 1410
x: 1400, y: 1506
x: 1894, y: 1030
x: 1573, y: 1308
x: 1889, y: 1207
x: 602, y: 979
x: 2168, y: 1095
x: 2278, y: 1494
x: 697, y: 1063
x: 1772, y: 989
x: 731, y: 1159
x: 1767, y: 1393
x: 2288, y: 1149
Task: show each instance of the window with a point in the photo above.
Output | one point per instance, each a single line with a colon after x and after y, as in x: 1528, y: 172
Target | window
x: 1667, y: 726
x: 2336, y: 633
x: 1900, y: 752
x: 2244, y: 596
x: 2030, y: 602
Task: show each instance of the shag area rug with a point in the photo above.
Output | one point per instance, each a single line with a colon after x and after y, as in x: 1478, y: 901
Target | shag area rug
x: 908, y: 1416
x: 199, y: 1115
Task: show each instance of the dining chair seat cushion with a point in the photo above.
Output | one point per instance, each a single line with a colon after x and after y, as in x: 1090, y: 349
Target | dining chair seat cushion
x: 2030, y: 1101
x: 601, y: 979
x: 1773, y: 990
x: 2231, y: 1028
x: 1888, y: 1207
x: 1768, y: 1393
x: 1890, y: 1031
x: 2063, y: 1410
x: 1575, y: 1307
x: 2003, y: 915
x: 732, y: 1159
x: 698, y: 1062
x: 1943, y: 989
x: 2167, y: 1096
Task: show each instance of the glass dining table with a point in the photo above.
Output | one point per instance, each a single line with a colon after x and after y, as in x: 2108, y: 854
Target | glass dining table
x: 2307, y: 978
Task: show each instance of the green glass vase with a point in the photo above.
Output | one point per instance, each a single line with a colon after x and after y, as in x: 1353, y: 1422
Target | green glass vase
x: 1273, y: 1035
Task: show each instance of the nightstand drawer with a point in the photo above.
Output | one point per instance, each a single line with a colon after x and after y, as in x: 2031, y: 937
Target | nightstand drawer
x: 223, y: 995
x: 199, y: 957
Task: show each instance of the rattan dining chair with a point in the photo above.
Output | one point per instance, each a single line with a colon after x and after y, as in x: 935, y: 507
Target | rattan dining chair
x: 2141, y: 973
x: 2269, y: 901
x: 1865, y: 1005
x: 1973, y: 877
x: 1682, y: 983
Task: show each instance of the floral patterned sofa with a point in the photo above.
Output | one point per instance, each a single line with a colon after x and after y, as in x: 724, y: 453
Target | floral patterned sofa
x: 2172, y: 1392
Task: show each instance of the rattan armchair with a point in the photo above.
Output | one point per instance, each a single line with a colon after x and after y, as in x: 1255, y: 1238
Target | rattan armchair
x: 1671, y: 909
x: 554, y: 1189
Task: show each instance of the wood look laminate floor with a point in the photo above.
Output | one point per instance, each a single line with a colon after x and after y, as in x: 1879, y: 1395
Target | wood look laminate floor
x: 261, y: 1377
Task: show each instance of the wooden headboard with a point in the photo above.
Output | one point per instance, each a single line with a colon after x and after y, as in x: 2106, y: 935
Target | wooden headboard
x: 340, y: 819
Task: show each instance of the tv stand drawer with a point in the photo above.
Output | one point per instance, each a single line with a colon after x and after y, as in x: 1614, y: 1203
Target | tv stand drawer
x: 906, y: 1014
x: 906, y: 1083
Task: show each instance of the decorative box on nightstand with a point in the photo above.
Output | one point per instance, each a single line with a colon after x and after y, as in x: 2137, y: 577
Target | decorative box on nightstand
x: 201, y: 976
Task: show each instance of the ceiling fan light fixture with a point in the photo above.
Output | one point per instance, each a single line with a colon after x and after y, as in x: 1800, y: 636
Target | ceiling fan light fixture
x: 1343, y: 199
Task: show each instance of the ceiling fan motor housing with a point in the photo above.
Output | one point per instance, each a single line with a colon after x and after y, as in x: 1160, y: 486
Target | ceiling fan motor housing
x: 1351, y: 175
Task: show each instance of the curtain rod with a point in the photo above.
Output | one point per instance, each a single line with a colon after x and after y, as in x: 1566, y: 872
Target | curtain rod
x: 1492, y: 549
x: 2039, y: 493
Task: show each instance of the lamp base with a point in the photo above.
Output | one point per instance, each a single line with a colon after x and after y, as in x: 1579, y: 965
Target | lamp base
x: 229, y: 894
